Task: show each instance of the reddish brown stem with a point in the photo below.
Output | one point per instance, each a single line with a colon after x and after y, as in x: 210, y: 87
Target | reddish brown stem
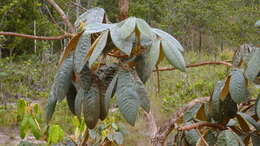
x: 202, y: 124
x: 198, y: 64
x: 60, y: 37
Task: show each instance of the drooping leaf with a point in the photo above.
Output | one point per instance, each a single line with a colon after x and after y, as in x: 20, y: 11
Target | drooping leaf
x: 81, y: 50
x: 125, y: 45
x: 109, y: 92
x: 225, y: 89
x: 229, y: 108
x: 250, y: 120
x: 145, y: 63
x: 70, y: 47
x: 97, y: 27
x: 78, y: 102
x: 253, y: 68
x: 62, y: 79
x: 24, y: 126
x: 215, y: 103
x: 128, y: 27
x: 166, y: 36
x: 227, y: 138
x: 127, y: 97
x: 144, y: 28
x: 50, y: 108
x: 98, y: 48
x: 238, y: 86
x: 91, y: 106
x: 55, y: 134
x: 71, y: 97
x: 85, y: 78
x: 191, y: 136
x: 94, y: 15
x: 257, y: 106
x: 142, y: 93
x: 174, y: 56
x: 191, y: 113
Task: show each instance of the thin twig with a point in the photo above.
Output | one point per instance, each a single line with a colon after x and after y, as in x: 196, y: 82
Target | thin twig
x: 64, y: 17
x: 197, y: 64
x: 53, y: 20
x: 60, y: 37
x: 202, y: 124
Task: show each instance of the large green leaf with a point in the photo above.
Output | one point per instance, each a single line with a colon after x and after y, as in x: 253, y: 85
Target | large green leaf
x: 71, y: 97
x: 125, y: 45
x: 127, y: 97
x: 81, y: 50
x: 35, y: 129
x: 257, y: 106
x: 91, y: 106
x: 173, y: 55
x: 21, y: 108
x: 62, y: 79
x: 50, y: 108
x: 215, y: 103
x: 97, y: 27
x: 237, y: 86
x: 94, y: 15
x: 166, y: 36
x: 142, y: 93
x: 146, y: 62
x: 227, y: 138
x: 99, y: 48
x: 253, y: 68
x: 191, y: 136
x: 128, y: 27
x: 109, y: 93
x: 191, y: 113
x: 78, y: 102
x: 24, y: 126
x: 145, y: 29
x: 85, y: 78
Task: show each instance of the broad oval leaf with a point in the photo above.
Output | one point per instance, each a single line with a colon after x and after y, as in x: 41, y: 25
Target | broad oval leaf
x: 91, y: 106
x: 126, y: 96
x: 174, y: 56
x: 94, y: 15
x: 97, y: 27
x: 144, y: 28
x: 71, y: 97
x: 191, y: 113
x: 227, y: 138
x: 253, y: 68
x: 128, y: 27
x: 78, y: 102
x: 81, y: 50
x: 98, y: 48
x: 50, y: 107
x: 109, y: 92
x: 62, y: 79
x: 166, y: 36
x: 238, y: 86
x: 125, y: 45
x: 142, y: 93
x: 145, y: 63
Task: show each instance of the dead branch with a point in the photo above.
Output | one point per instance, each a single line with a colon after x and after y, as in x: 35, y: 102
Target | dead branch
x: 151, y: 123
x: 198, y: 64
x: 64, y: 17
x: 123, y: 9
x: 60, y: 37
x: 202, y: 124
x: 162, y: 133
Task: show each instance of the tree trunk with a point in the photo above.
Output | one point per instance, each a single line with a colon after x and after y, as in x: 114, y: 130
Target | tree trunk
x: 123, y: 9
